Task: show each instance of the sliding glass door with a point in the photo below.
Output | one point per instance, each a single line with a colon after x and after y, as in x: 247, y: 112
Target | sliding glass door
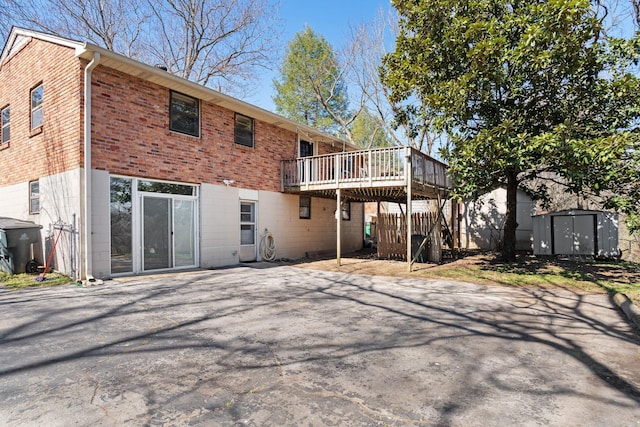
x: 121, y: 225
x: 154, y: 225
x: 184, y: 233
x: 157, y: 248
x: 168, y: 237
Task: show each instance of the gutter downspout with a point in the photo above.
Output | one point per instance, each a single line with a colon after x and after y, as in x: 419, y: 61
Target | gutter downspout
x: 88, y: 256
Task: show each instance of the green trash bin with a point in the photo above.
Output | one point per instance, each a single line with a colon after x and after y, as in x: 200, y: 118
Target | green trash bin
x: 6, y: 261
x: 20, y: 235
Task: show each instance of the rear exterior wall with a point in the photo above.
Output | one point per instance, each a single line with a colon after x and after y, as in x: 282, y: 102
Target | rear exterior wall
x: 56, y: 146
x: 131, y: 136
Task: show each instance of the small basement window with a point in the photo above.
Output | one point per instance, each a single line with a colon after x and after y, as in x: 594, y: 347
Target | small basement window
x: 34, y: 197
x: 346, y: 211
x: 305, y: 207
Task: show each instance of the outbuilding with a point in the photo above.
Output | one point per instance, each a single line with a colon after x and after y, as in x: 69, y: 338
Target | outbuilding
x: 576, y: 233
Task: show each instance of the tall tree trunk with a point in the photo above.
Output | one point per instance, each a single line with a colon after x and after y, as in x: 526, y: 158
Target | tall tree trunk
x: 509, y: 240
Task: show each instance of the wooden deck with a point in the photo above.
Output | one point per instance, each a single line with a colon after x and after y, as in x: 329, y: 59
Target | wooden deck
x: 368, y: 175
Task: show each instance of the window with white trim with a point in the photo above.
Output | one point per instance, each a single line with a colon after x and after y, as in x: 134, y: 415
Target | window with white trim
x: 34, y: 197
x: 346, y: 211
x: 305, y: 207
x: 5, y: 117
x: 37, y: 112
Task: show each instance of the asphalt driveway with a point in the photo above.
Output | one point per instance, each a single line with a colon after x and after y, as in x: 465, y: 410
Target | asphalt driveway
x: 281, y: 346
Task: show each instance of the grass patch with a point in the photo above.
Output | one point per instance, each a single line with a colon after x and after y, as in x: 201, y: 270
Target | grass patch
x: 611, y: 277
x: 488, y: 269
x: 23, y: 280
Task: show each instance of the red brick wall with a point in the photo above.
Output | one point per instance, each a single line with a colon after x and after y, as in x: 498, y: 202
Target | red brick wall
x: 131, y: 137
x: 29, y: 156
x: 130, y: 128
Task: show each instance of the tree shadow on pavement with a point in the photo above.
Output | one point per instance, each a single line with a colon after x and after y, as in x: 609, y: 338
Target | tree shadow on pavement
x: 236, y: 337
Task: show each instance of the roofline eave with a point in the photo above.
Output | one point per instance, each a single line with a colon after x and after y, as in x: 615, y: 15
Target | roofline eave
x: 159, y: 76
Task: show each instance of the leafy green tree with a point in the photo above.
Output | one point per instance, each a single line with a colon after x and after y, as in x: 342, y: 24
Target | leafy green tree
x: 368, y: 132
x: 311, y: 89
x: 525, y: 90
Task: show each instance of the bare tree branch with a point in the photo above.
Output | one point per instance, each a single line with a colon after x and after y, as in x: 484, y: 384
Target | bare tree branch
x: 113, y: 24
x: 207, y: 41
x: 369, y: 44
x: 219, y: 41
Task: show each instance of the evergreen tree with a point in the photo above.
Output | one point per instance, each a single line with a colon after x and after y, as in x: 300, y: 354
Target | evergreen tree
x: 311, y: 89
x: 368, y: 132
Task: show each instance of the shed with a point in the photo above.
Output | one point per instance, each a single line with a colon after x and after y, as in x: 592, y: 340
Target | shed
x: 576, y: 233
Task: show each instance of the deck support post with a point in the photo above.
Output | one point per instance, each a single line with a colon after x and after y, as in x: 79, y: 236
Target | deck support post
x: 338, y: 225
x: 409, y: 222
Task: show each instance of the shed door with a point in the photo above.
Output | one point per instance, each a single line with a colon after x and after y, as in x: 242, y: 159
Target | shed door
x: 574, y: 235
x: 583, y: 235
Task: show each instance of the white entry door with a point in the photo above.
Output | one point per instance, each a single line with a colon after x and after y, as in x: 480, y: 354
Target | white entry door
x: 247, y: 231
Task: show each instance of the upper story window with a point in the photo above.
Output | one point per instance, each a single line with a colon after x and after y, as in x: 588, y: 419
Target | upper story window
x: 34, y: 197
x: 244, y: 130
x: 37, y: 113
x: 5, y: 115
x: 184, y: 114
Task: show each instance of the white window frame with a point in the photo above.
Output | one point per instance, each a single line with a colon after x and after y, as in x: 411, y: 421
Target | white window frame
x: 138, y: 222
x: 252, y: 221
x: 38, y: 108
x: 5, y: 130
x: 34, y: 197
x: 300, y: 206
x: 346, y: 211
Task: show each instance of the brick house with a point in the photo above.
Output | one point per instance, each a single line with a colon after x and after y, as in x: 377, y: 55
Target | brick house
x: 134, y: 169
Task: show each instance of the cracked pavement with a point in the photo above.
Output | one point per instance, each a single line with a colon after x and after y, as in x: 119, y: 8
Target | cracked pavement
x: 262, y: 345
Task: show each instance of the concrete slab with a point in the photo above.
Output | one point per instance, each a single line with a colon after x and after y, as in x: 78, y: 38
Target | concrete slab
x: 283, y: 346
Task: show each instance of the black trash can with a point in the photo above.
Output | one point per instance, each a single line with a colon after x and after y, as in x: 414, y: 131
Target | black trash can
x: 20, y: 236
x: 416, y: 241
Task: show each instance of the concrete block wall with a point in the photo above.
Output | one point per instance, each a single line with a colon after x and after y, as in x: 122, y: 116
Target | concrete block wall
x: 277, y: 212
x: 219, y: 225
x: 59, y: 204
x: 294, y: 237
x: 14, y: 201
x: 100, y: 224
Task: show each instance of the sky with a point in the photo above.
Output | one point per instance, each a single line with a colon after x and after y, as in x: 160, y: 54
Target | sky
x: 330, y: 18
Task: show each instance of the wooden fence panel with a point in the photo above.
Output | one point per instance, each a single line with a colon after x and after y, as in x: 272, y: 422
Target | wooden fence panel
x: 392, y: 235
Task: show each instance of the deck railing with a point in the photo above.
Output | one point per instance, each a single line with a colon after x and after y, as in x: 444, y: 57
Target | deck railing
x: 428, y: 171
x: 375, y: 167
